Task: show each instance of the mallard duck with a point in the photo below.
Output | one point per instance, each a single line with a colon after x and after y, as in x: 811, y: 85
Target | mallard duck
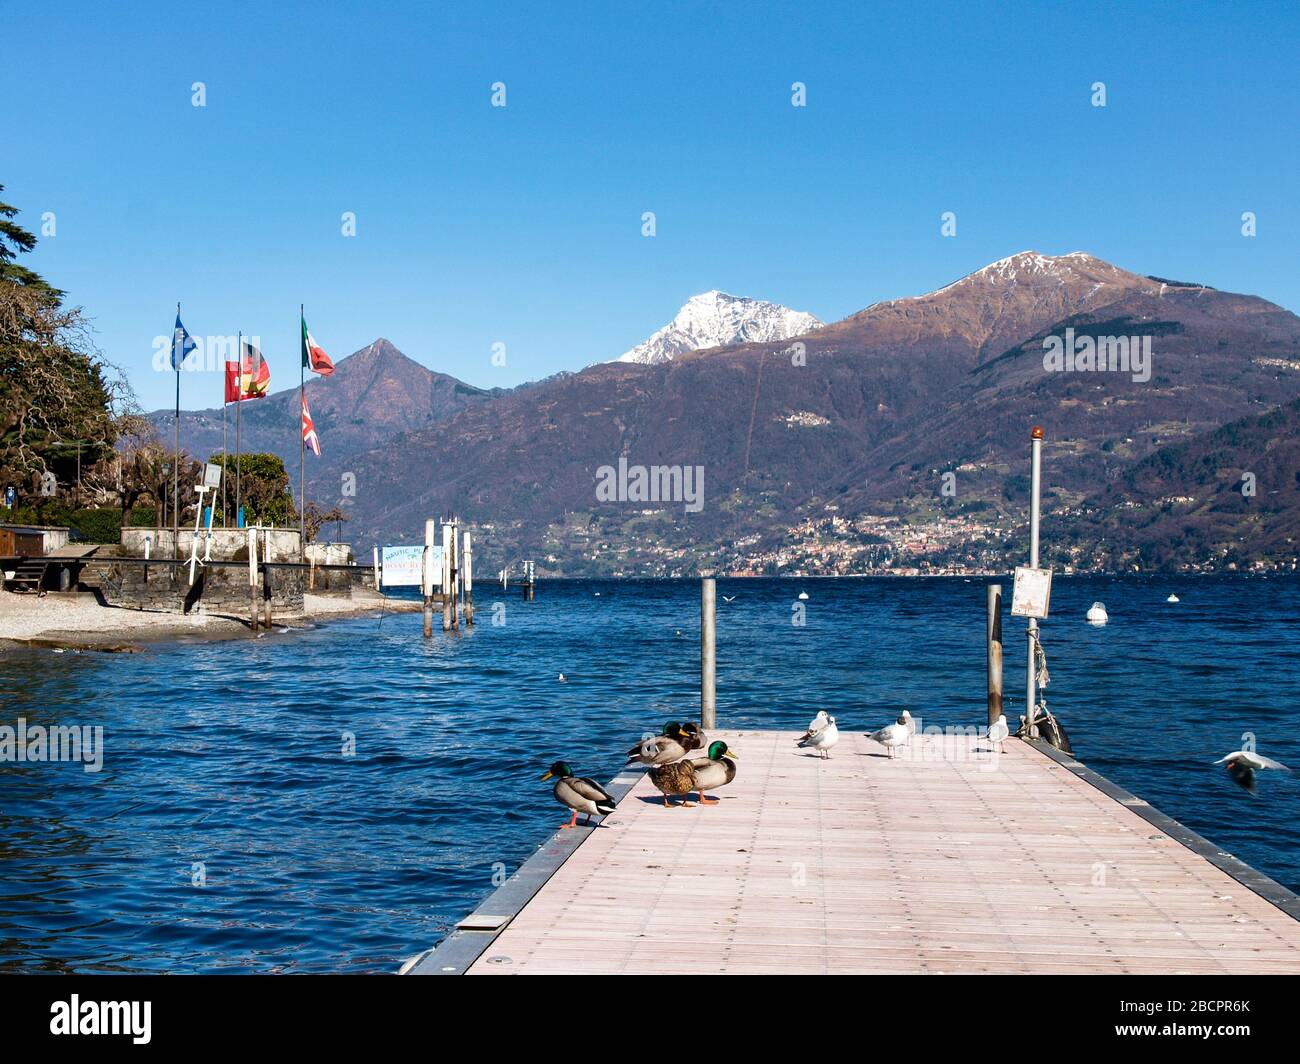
x: 678, y: 777
x: 579, y: 793
x: 668, y: 745
x: 821, y: 735
x: 693, y: 737
x: 714, y: 771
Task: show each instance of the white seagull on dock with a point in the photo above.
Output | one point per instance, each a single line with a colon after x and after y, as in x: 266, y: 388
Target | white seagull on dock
x: 998, y: 732
x: 908, y: 721
x: 1243, y: 764
x: 821, y: 735
x: 892, y: 736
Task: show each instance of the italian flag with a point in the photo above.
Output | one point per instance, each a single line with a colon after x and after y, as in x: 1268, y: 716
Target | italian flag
x: 314, y: 357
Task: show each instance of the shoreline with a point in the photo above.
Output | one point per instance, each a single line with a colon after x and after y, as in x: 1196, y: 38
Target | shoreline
x: 79, y: 621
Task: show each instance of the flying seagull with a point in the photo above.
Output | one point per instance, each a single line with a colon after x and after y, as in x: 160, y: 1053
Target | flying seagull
x: 1243, y: 764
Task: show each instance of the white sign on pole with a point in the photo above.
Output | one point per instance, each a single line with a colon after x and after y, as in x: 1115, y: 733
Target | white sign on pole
x: 1031, y: 592
x: 212, y: 475
x: 402, y: 566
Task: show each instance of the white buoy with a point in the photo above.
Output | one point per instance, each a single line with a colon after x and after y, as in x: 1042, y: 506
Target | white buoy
x: 803, y: 596
x: 562, y: 678
x: 1172, y: 598
x: 1097, y: 614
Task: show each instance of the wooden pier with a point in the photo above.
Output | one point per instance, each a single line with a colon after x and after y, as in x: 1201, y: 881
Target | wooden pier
x: 946, y: 859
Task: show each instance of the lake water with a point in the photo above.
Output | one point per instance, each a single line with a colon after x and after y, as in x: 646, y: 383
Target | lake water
x: 224, y: 762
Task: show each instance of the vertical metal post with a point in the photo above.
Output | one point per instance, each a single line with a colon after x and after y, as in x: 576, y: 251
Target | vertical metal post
x: 708, y: 652
x: 993, y: 629
x: 1035, y: 495
x: 377, y: 564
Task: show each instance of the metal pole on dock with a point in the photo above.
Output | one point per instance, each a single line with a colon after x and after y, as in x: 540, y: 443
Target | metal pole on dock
x: 1031, y: 695
x: 994, y: 632
x: 708, y: 652
x: 467, y: 580
x: 252, y: 578
x: 376, y: 557
x: 426, y: 579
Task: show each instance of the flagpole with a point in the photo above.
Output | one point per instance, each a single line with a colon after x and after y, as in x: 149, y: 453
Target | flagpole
x: 225, y: 461
x: 302, y: 440
x: 239, y: 409
x: 176, y: 465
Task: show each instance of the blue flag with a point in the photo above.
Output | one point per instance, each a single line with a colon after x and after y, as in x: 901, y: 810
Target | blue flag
x: 182, y: 344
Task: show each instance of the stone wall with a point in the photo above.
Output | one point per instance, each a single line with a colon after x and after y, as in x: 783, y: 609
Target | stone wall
x: 219, y: 589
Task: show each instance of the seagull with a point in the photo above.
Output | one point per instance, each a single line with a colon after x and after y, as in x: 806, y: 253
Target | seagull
x: 821, y: 735
x: 909, y: 722
x: 562, y: 678
x: 803, y: 596
x: 1243, y: 764
x: 998, y: 732
x: 1173, y: 598
x: 892, y: 735
x: 1097, y: 614
x: 728, y: 598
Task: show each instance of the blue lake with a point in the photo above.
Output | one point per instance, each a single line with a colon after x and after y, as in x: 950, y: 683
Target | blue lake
x: 226, y: 761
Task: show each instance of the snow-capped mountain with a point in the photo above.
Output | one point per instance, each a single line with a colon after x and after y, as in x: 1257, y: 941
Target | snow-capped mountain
x: 712, y: 319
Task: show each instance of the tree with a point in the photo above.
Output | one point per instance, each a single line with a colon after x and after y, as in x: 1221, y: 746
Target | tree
x: 56, y: 392
x: 316, y: 517
x: 264, y: 487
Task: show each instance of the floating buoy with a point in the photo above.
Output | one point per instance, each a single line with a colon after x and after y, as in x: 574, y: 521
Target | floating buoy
x: 803, y: 596
x: 1172, y: 598
x: 561, y: 678
x: 1097, y: 614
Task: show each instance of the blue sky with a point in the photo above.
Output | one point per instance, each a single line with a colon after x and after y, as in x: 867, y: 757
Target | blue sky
x: 522, y: 225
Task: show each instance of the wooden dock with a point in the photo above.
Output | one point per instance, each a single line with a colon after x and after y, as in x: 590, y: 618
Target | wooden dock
x: 947, y: 859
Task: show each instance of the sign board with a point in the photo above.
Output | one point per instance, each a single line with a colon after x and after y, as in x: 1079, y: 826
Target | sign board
x: 212, y: 475
x: 402, y: 566
x: 1031, y: 592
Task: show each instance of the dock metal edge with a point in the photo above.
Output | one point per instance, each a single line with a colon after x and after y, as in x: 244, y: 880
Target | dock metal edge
x: 477, y: 931
x: 1268, y: 889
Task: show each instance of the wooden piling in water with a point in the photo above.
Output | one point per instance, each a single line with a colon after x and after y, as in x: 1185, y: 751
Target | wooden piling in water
x: 467, y: 579
x: 708, y: 652
x: 993, y: 630
x: 252, y: 578
x: 426, y: 579
x: 446, y: 577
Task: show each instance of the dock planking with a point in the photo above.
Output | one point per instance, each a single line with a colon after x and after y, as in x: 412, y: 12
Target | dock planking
x: 947, y: 859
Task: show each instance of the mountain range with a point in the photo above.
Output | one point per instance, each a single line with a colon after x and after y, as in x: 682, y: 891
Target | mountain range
x: 914, y: 410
